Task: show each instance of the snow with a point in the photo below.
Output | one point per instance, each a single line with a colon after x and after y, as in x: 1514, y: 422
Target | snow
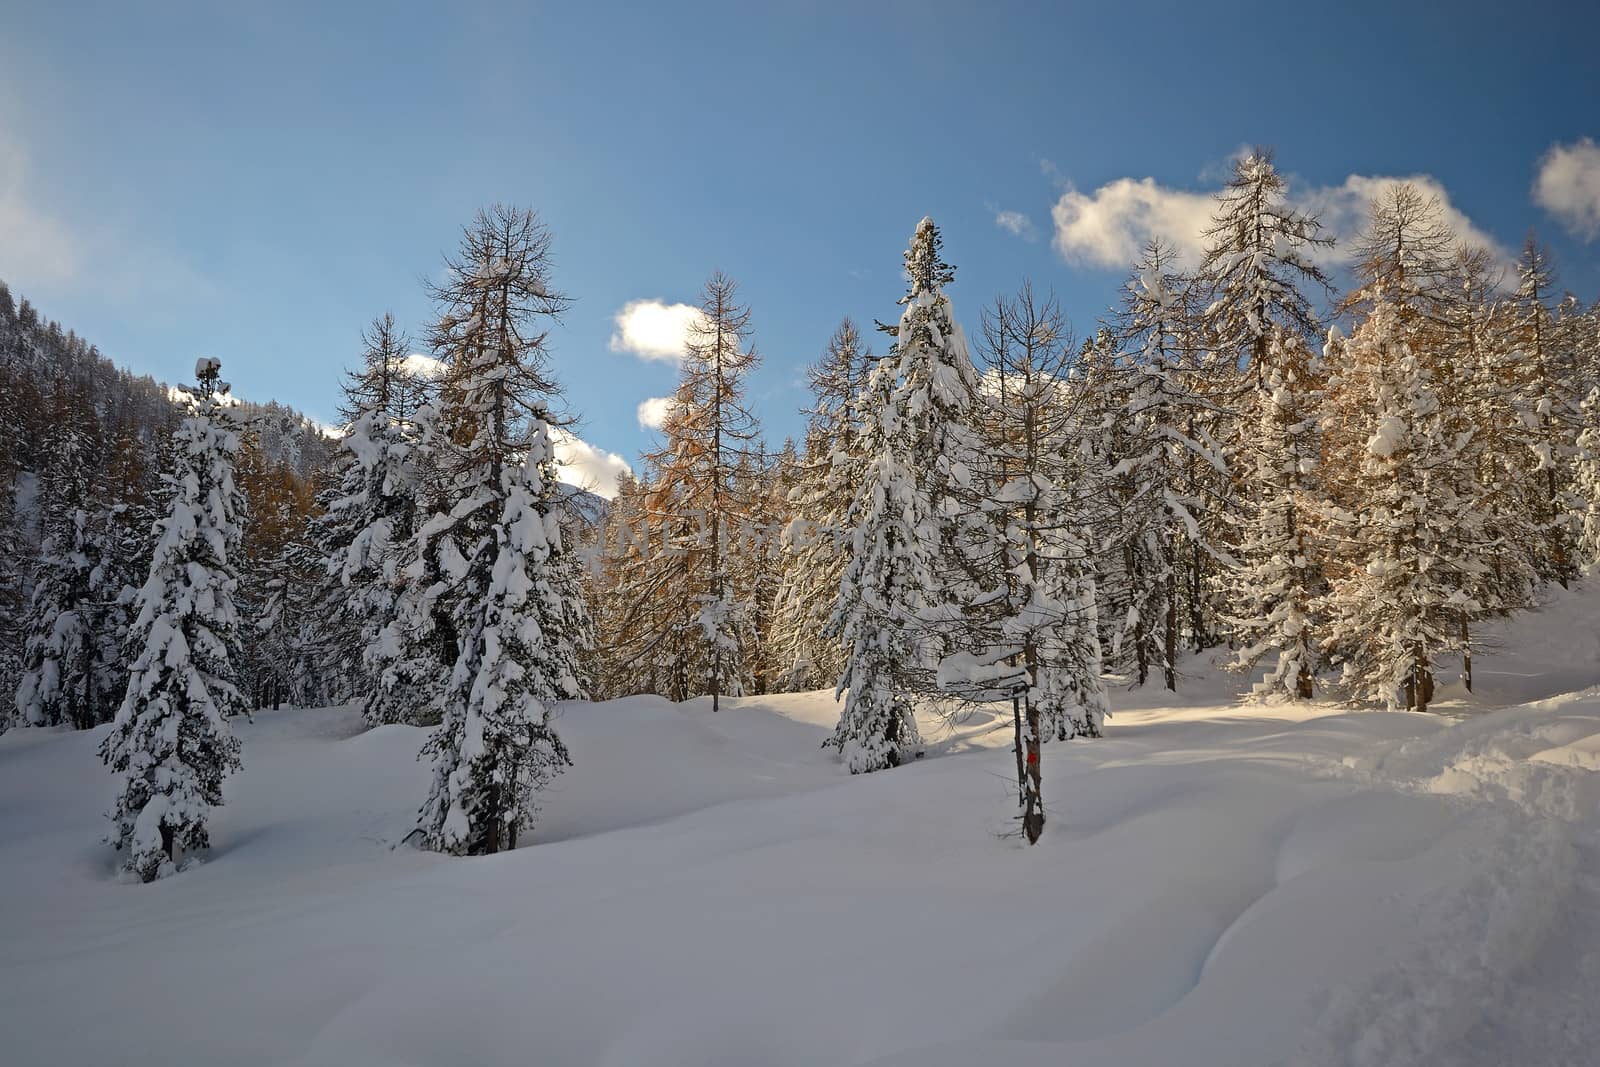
x: 1218, y: 884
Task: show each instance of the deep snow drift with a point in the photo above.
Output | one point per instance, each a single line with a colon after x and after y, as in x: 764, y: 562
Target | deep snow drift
x: 1217, y: 885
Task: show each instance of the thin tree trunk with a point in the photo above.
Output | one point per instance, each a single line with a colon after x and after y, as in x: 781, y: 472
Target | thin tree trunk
x: 1033, y: 801
x: 1017, y: 747
x: 1170, y: 666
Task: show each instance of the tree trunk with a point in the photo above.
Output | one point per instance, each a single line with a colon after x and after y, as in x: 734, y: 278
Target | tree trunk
x: 1022, y: 766
x: 1419, y: 685
x: 1169, y: 668
x: 1033, y: 798
x: 492, y: 822
x: 1466, y: 654
x: 1141, y: 654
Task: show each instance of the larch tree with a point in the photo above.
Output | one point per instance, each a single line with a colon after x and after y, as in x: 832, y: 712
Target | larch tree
x: 170, y: 741
x: 505, y: 578
x: 698, y: 492
x: 1169, y: 474
x: 628, y: 656
x: 1401, y: 567
x: 1440, y: 300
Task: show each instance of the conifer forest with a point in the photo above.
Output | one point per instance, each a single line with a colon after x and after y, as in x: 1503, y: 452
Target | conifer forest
x: 1210, y: 679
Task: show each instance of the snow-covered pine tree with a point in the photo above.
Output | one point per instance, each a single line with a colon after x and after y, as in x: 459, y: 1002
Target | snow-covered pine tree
x: 170, y: 740
x: 757, y: 564
x: 69, y: 665
x: 292, y: 632
x: 1444, y: 308
x: 369, y: 522
x: 520, y: 637
x: 504, y: 579
x: 1170, y: 473
x: 1471, y: 374
x: 1586, y: 478
x: 1258, y: 255
x: 814, y: 548
x: 1402, y: 573
x: 1280, y: 574
x: 883, y: 587
x: 910, y: 526
x: 1097, y: 441
x: 1548, y: 393
x: 935, y: 404
x: 1030, y: 633
x: 12, y: 600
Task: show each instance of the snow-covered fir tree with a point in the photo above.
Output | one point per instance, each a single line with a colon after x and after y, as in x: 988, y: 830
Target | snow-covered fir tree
x: 369, y: 522
x: 170, y: 741
x: 911, y: 528
x: 884, y: 585
x: 1548, y: 396
x: 814, y: 542
x: 1470, y: 370
x: 935, y: 402
x: 71, y: 661
x: 519, y: 639
x: 507, y: 587
x: 1280, y: 574
x: 757, y: 564
x: 1258, y: 256
x: 1586, y: 478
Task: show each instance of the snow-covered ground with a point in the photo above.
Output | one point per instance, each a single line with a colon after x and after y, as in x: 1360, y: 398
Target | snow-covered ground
x: 1218, y: 885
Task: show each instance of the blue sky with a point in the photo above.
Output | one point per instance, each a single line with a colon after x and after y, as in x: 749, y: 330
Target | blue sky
x: 257, y: 181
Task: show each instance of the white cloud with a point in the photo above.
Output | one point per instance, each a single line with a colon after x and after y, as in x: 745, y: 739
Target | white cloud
x: 653, y: 329
x: 581, y: 464
x: 1016, y: 224
x: 34, y: 246
x: 1568, y: 186
x: 653, y: 412
x: 1110, y: 227
x: 1343, y: 210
